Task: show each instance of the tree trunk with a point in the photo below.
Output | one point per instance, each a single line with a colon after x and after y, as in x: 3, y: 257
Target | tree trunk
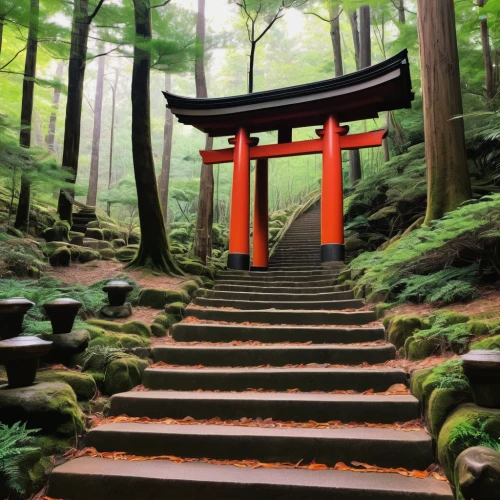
x: 334, y: 12
x: 448, y: 182
x: 485, y: 41
x: 354, y: 166
x: 153, y: 251
x: 205, y: 216
x: 112, y: 136
x: 76, y: 75
x: 353, y: 19
x: 253, y: 45
x: 168, y: 131
x: 23, y: 207
x: 50, y: 138
x: 365, y: 46
x: 96, y: 136
x: 402, y: 14
x: 2, y: 21
x: 385, y: 142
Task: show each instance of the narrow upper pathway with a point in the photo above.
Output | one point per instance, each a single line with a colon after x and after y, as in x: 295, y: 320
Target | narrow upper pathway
x: 261, y: 362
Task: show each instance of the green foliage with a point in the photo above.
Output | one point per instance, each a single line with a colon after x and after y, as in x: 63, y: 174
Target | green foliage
x: 15, y: 443
x: 450, y: 375
x: 473, y: 433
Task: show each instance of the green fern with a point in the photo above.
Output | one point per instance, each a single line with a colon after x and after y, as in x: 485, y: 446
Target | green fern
x: 473, y: 433
x: 15, y: 443
x: 451, y: 376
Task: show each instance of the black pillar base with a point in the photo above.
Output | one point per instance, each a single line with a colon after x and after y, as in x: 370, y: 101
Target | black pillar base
x: 332, y: 252
x: 238, y: 261
x: 260, y: 269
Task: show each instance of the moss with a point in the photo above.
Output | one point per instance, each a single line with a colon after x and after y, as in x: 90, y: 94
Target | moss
x: 132, y: 327
x: 197, y: 269
x: 58, y: 232
x: 176, y: 309
x: 125, y: 254
x: 124, y: 374
x: 441, y: 403
x: 114, y: 339
x: 100, y: 405
x: 97, y: 375
x: 387, y: 320
x: 88, y: 256
x: 61, y: 257
x: 417, y: 381
x: 469, y: 425
x: 447, y: 318
x: 190, y: 287
x: 416, y: 349
x: 108, y: 235
x: 107, y: 254
x: 152, y: 297
x: 491, y: 343
x: 402, y: 327
x: 82, y: 383
x: 481, y: 328
x: 158, y: 330
x: 118, y: 243
x: 134, y: 238
x: 207, y: 282
x: 381, y: 308
x: 51, y: 407
x: 163, y: 320
x: 94, y: 232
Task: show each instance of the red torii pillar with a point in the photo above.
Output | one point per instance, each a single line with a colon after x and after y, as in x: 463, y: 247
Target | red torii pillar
x: 260, y: 260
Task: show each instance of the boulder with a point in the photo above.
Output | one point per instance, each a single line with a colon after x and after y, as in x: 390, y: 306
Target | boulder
x: 88, y: 256
x: 82, y: 383
x: 157, y: 299
x: 61, y: 257
x: 190, y: 287
x: 176, y: 309
x: 402, y: 327
x: 94, y: 232
x: 66, y: 345
x: 131, y: 327
x: 441, y: 403
x: 49, y: 406
x: 124, y: 374
x: 116, y: 312
x: 125, y: 254
x: 118, y: 243
x: 107, y: 253
x: 134, y: 238
x: 58, y: 232
x: 421, y: 348
x: 477, y: 473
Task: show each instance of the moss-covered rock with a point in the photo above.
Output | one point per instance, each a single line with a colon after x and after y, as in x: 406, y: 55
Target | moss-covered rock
x: 82, y: 383
x: 131, y: 327
x: 402, y: 327
x: 118, y: 243
x: 490, y: 343
x: 175, y: 309
x: 107, y: 253
x: 95, y: 233
x: 417, y: 381
x: 469, y: 425
x: 88, y: 255
x: 108, y: 235
x: 117, y: 339
x: 58, y: 232
x: 49, y: 406
x: 152, y: 297
x: 190, y: 287
x: 420, y: 348
x: 158, y: 330
x: 197, y: 269
x: 207, y: 282
x: 124, y: 374
x: 441, y: 403
x: 134, y: 238
x: 61, y: 257
x: 447, y: 318
x: 98, y: 377
x: 66, y: 345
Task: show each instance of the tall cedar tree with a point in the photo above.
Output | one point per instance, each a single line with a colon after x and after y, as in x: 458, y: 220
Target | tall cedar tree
x: 205, y: 217
x: 112, y: 135
x: 76, y: 75
x: 485, y: 42
x: 448, y: 182
x: 168, y: 132
x: 402, y: 14
x: 50, y: 137
x: 23, y: 207
x: 154, y: 252
x: 96, y: 136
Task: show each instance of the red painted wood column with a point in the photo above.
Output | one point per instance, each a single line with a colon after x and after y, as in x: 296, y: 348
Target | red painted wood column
x: 261, y: 218
x: 239, y: 224
x: 332, y: 197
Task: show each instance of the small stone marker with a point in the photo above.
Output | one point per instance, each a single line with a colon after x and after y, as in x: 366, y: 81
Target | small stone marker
x: 12, y: 312
x: 62, y: 314
x: 117, y: 291
x: 482, y: 368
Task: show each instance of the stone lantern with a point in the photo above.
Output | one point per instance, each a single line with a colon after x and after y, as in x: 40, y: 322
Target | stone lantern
x: 62, y: 314
x: 482, y: 368
x: 12, y: 312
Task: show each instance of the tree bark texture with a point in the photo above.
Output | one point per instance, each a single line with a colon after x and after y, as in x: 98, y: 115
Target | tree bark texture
x: 334, y: 12
x: 96, y: 136
x: 76, y: 75
x: 168, y: 131
x: 353, y: 19
x: 488, y: 65
x: 50, y: 138
x: 153, y: 251
x: 23, y: 207
x: 448, y: 182
x: 365, y: 45
x: 205, y: 215
x: 2, y: 21
x: 112, y: 135
x: 385, y: 142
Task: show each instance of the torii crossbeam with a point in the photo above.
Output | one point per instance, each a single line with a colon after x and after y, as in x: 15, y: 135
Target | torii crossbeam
x: 357, y: 96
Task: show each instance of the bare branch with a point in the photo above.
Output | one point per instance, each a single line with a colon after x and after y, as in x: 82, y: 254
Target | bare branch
x: 96, y: 10
x: 319, y: 17
x: 161, y: 4
x: 8, y: 62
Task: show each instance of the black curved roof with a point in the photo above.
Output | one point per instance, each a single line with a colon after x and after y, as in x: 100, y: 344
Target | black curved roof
x: 355, y: 96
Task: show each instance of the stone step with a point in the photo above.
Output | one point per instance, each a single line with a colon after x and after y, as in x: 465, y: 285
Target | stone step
x: 271, y: 298
x: 201, y: 332
x: 299, y: 407
x: 274, y: 355
x: 279, y: 289
x: 297, y: 278
x: 105, y: 479
x: 326, y: 305
x: 381, y: 447
x: 77, y: 228
x: 310, y: 259
x: 277, y: 275
x: 285, y: 317
x: 293, y: 267
x: 263, y: 282
x: 278, y: 379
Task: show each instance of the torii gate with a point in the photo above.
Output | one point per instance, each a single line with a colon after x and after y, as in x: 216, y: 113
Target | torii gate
x: 357, y: 96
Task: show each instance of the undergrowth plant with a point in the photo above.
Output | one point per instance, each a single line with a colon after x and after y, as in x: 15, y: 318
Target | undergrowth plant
x: 15, y: 443
x: 473, y: 433
x: 451, y: 375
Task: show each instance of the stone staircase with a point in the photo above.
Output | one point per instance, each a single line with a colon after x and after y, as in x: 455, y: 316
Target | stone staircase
x: 82, y: 218
x: 290, y: 318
